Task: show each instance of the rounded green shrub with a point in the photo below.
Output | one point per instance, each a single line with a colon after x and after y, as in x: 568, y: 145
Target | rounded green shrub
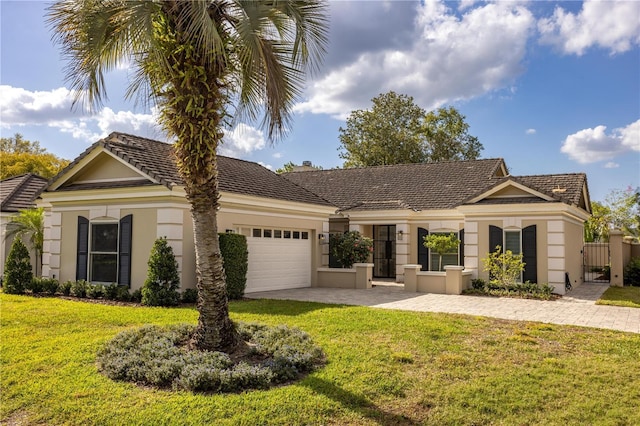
x: 350, y: 248
x: 17, y: 269
x: 156, y: 356
x: 163, y: 281
x: 235, y: 255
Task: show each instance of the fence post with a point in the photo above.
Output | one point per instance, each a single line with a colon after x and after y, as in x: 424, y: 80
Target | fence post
x: 617, y: 261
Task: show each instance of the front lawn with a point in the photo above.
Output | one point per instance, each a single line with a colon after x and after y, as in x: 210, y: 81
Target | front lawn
x: 383, y: 367
x: 621, y: 296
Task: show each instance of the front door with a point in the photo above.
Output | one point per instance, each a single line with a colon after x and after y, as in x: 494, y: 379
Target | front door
x: 384, y: 251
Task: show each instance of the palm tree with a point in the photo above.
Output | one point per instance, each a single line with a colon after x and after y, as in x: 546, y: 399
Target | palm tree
x: 203, y: 63
x: 29, y: 222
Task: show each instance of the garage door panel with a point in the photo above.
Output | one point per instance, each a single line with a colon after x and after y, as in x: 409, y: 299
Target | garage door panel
x: 276, y: 264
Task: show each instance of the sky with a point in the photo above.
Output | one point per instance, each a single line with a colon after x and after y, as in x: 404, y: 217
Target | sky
x: 551, y: 87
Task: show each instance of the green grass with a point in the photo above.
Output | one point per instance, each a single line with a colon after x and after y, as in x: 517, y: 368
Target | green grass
x: 383, y: 367
x: 621, y: 296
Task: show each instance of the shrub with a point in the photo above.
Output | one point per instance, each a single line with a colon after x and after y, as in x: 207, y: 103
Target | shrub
x: 632, y: 272
x: 111, y: 291
x: 442, y: 244
x: 95, y: 291
x: 122, y: 294
x: 235, y: 255
x: 155, y: 356
x: 65, y: 288
x: 17, y: 270
x: 136, y: 296
x: 190, y: 295
x: 79, y: 288
x: 35, y: 286
x: 478, y: 284
x: 350, y: 248
x: 49, y: 285
x: 161, y: 286
x: 504, y: 268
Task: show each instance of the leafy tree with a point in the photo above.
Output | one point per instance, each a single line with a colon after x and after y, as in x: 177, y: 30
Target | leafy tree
x: 162, y: 283
x: 194, y: 58
x: 350, y: 248
x: 504, y: 268
x: 621, y: 210
x: 19, y: 156
x: 17, y: 270
x: 442, y: 244
x: 447, y: 136
x: 286, y: 168
x: 29, y: 222
x: 397, y: 131
x: 388, y: 133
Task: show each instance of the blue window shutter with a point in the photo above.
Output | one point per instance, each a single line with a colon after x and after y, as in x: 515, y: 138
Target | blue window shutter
x: 461, y: 253
x: 124, y: 252
x: 423, y: 252
x: 495, y: 238
x: 529, y: 257
x: 82, y: 248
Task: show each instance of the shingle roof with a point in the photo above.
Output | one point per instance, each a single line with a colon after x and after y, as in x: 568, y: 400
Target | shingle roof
x: 156, y: 159
x: 403, y: 186
x: 564, y: 187
x: 19, y: 192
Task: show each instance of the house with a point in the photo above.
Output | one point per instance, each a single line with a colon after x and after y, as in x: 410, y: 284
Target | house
x: 103, y: 212
x: 17, y: 193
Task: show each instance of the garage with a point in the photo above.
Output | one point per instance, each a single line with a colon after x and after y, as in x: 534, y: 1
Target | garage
x: 278, y: 259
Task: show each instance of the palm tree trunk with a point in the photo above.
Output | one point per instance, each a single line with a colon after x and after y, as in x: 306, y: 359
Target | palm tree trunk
x: 215, y: 330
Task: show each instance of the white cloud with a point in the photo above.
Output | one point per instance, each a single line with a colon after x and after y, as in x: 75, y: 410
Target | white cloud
x: 611, y: 165
x: 611, y: 25
x: 242, y: 140
x: 277, y: 155
x: 530, y: 131
x: 594, y: 144
x: 53, y: 108
x: 450, y: 58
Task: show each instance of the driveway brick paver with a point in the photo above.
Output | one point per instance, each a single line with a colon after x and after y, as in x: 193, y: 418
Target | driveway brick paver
x: 576, y: 308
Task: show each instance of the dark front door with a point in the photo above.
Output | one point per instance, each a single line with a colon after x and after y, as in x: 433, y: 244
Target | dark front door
x: 384, y: 251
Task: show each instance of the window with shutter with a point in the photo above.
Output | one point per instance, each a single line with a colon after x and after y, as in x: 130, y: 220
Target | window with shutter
x: 423, y: 252
x: 82, y: 250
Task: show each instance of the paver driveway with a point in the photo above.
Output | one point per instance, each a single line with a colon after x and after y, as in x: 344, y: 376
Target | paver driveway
x: 576, y: 308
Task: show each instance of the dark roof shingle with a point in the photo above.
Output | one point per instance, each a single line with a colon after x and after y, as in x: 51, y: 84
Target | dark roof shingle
x: 403, y: 186
x: 20, y: 192
x: 156, y: 159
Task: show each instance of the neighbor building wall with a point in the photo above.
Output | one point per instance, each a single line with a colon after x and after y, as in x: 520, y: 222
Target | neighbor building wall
x: 574, y: 244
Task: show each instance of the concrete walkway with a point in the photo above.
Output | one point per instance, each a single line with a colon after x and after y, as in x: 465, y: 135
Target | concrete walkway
x: 576, y: 308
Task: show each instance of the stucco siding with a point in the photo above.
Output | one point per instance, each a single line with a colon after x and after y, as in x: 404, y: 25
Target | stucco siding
x: 574, y: 244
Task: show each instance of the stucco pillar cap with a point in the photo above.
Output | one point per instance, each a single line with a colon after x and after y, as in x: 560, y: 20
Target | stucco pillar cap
x: 454, y: 268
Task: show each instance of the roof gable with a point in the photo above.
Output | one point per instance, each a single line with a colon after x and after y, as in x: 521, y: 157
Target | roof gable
x: 126, y: 160
x: 19, y: 192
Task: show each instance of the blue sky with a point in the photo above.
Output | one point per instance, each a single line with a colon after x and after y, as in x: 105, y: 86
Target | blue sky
x: 552, y: 87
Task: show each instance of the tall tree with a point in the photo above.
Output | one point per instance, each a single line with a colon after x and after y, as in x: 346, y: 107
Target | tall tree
x: 29, y: 223
x: 388, y: 133
x: 397, y: 131
x: 19, y: 156
x: 202, y: 62
x: 621, y: 210
x: 447, y: 136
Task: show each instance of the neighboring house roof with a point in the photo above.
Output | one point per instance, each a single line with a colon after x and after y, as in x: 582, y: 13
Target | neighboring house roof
x: 19, y: 192
x: 156, y: 160
x: 424, y: 186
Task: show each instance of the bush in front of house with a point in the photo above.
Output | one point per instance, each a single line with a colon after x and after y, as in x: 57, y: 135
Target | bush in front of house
x: 504, y: 268
x: 350, y: 248
x: 95, y: 291
x: 526, y: 290
x: 190, y: 295
x: 235, y: 255
x: 17, y: 269
x: 162, y: 283
x: 155, y: 356
x: 65, y: 288
x: 79, y: 288
x: 632, y: 272
x: 49, y: 285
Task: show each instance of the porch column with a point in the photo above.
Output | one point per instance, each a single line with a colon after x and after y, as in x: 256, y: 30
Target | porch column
x: 364, y: 275
x: 616, y: 258
x: 411, y: 277
x: 453, y: 279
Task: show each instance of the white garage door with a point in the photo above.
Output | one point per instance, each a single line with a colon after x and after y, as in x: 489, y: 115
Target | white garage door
x: 278, y: 259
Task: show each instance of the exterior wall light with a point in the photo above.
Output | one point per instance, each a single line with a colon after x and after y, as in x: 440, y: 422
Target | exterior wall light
x: 400, y: 235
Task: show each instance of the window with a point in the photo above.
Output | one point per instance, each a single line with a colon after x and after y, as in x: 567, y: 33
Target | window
x: 257, y: 232
x: 103, y: 258
x: 512, y: 241
x: 104, y: 251
x: 266, y: 233
x: 447, y: 259
x: 277, y: 233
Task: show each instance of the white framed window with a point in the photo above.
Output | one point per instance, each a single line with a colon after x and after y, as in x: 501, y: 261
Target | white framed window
x: 103, y: 252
